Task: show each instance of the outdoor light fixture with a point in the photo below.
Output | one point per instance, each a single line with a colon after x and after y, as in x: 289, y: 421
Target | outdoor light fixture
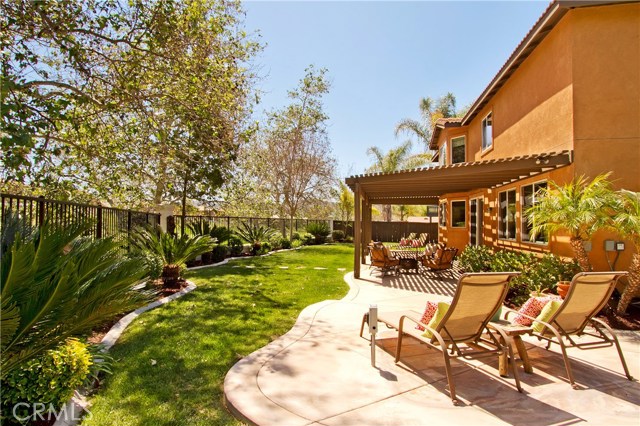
x: 541, y: 160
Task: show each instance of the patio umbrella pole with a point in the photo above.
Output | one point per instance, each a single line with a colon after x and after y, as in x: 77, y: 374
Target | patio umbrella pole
x: 373, y: 328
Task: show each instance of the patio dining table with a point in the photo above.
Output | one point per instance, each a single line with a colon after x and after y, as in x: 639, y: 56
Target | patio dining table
x: 408, y: 257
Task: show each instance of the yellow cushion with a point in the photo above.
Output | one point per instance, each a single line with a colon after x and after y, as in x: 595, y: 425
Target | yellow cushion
x: 547, y: 312
x: 443, y: 307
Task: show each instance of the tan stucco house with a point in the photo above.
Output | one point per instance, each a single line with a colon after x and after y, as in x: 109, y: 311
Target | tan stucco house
x: 565, y: 104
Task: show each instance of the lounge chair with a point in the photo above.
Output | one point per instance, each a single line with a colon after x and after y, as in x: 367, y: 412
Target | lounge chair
x: 588, y: 293
x: 477, y: 299
x: 442, y: 260
x: 423, y: 239
x: 382, y: 259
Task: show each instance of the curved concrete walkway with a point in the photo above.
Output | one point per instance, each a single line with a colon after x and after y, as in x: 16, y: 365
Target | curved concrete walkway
x: 320, y: 373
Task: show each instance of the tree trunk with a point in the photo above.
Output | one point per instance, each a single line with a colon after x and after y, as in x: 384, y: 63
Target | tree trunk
x: 387, y: 212
x: 581, y: 254
x: 632, y: 287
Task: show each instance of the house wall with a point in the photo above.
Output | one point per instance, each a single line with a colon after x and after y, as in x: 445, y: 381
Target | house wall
x: 580, y: 90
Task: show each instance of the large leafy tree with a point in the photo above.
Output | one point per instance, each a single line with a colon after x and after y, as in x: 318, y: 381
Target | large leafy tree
x: 430, y: 111
x: 168, y: 92
x: 292, y: 164
x: 579, y: 208
x: 400, y: 158
x: 626, y: 222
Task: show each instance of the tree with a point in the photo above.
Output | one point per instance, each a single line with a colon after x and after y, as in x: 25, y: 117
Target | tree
x: 171, y: 92
x: 579, y: 207
x: 293, y: 166
x: 399, y: 158
x: 430, y: 111
x: 626, y: 222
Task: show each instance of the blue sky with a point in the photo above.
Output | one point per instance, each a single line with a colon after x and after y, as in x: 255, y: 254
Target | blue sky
x: 382, y: 57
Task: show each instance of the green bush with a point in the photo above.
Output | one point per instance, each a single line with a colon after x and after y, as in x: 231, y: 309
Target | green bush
x: 235, y: 246
x: 296, y: 243
x: 285, y: 243
x: 545, y: 272
x: 49, y: 379
x: 475, y: 259
x: 295, y: 236
x: 218, y: 253
x: 319, y: 230
x: 308, y: 239
x: 337, y: 235
x: 264, y: 249
x: 506, y: 260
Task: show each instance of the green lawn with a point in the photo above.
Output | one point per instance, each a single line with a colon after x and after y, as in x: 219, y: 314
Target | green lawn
x: 196, y: 339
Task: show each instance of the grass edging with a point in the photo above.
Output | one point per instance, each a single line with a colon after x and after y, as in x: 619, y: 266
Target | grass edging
x: 74, y: 409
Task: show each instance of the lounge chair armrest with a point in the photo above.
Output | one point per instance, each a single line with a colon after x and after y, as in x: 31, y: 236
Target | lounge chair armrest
x: 508, y: 311
x: 436, y: 335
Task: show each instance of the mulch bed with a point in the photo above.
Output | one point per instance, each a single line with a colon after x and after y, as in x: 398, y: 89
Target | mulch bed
x: 629, y: 321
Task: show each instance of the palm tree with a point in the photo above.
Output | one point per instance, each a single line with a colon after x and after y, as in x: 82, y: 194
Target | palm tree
x: 399, y: 158
x: 579, y: 207
x: 430, y: 111
x: 626, y: 222
x: 56, y: 284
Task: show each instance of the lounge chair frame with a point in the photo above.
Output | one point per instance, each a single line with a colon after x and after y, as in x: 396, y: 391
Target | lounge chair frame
x: 568, y: 321
x: 479, y: 337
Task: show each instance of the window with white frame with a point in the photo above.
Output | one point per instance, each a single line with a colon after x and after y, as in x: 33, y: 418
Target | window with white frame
x: 458, y: 150
x: 507, y: 225
x: 442, y: 155
x: 487, y: 132
x: 442, y: 211
x: 458, y: 214
x: 530, y: 197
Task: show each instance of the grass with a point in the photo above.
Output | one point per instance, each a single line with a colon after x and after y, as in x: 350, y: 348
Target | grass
x: 170, y: 363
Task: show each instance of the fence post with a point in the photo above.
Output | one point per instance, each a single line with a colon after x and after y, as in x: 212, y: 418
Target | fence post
x: 128, y: 228
x: 284, y: 228
x: 228, y: 222
x: 99, y: 220
x: 41, y: 211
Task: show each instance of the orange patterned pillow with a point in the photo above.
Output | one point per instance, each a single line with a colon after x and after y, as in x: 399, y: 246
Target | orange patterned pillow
x: 429, y: 312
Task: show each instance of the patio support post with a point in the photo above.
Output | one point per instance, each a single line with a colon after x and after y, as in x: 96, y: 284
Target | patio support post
x: 366, y: 227
x: 357, y: 231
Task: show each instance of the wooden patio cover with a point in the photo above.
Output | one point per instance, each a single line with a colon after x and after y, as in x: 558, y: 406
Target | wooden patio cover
x: 426, y: 185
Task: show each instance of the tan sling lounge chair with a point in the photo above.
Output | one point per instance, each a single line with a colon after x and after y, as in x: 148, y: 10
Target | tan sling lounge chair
x: 477, y: 299
x: 588, y: 293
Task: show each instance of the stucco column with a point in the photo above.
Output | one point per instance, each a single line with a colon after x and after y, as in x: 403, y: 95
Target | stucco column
x: 165, y: 211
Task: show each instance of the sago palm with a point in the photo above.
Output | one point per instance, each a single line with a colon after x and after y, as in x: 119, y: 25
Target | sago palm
x: 56, y: 284
x: 172, y: 251
x: 579, y: 207
x: 626, y: 222
x: 255, y: 235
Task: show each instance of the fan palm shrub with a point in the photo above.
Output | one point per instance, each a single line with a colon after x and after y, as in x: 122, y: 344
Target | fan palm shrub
x: 255, y: 235
x: 579, y: 207
x: 55, y: 284
x: 626, y: 222
x: 172, y: 251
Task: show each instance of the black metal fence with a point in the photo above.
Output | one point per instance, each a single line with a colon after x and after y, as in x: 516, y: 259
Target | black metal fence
x: 108, y: 221
x: 233, y: 222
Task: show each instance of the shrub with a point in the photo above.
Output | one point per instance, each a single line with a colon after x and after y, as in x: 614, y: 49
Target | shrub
x: 308, y: 239
x: 475, y: 259
x: 295, y: 236
x: 348, y: 239
x: 220, y: 233
x: 285, y: 243
x: 264, y: 249
x: 235, y: 246
x: 296, y: 243
x: 545, y: 272
x: 506, y: 260
x: 218, y: 253
x: 319, y: 230
x: 255, y: 235
x: 276, y: 241
x: 337, y: 235
x: 49, y: 379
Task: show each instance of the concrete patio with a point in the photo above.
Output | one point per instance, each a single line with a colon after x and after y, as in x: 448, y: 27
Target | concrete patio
x: 320, y: 373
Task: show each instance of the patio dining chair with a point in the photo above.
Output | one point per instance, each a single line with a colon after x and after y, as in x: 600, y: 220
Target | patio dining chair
x: 464, y: 330
x: 442, y: 260
x: 588, y: 293
x: 382, y: 258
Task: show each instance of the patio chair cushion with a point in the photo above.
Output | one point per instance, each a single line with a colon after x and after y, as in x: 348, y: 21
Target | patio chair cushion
x: 443, y: 307
x: 429, y: 311
x: 545, y: 315
x: 532, y: 308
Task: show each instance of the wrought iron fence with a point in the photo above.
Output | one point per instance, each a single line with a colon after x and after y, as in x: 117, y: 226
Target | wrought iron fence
x: 106, y: 221
x: 175, y: 223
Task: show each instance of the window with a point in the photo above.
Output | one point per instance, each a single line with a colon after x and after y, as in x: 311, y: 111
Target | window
x: 458, y: 150
x: 443, y: 154
x: 531, y: 196
x: 475, y: 221
x: 487, y: 132
x: 507, y: 226
x: 458, y: 214
x: 443, y: 214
